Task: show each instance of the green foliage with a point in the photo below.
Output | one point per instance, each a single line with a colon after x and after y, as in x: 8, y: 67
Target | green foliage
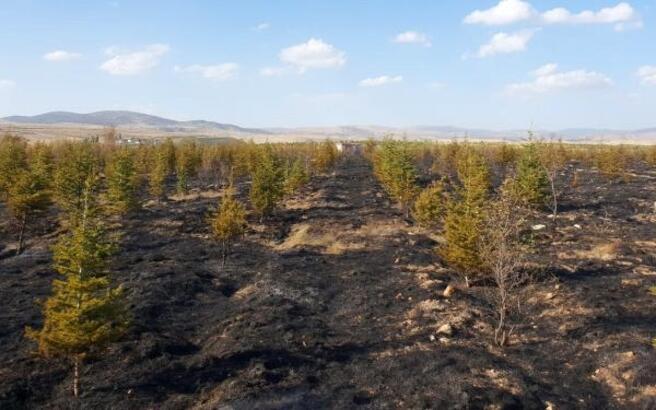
x: 13, y: 159
x: 295, y: 176
x: 28, y: 196
x: 85, y: 313
x: 77, y: 166
x: 466, y: 213
x: 228, y: 222
x: 612, y: 161
x: 429, y: 208
x: 187, y: 160
x: 531, y: 182
x: 394, y: 167
x: 122, y: 182
x: 160, y: 170
x: 268, y: 178
x: 325, y: 156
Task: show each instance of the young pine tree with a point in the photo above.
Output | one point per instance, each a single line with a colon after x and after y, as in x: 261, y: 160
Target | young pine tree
x: 465, y: 215
x: 85, y: 312
x: 228, y: 222
x: 268, y: 179
x: 122, y: 182
x: 531, y: 182
x: 78, y: 162
x: 159, y: 172
x: 394, y: 167
x: 13, y: 160
x: 325, y: 156
x: 30, y: 192
x: 186, y: 165
x: 295, y: 176
x: 429, y: 207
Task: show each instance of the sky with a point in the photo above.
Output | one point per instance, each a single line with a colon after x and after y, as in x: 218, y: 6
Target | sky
x: 508, y: 64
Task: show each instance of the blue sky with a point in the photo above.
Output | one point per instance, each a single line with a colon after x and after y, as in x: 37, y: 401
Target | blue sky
x: 490, y: 64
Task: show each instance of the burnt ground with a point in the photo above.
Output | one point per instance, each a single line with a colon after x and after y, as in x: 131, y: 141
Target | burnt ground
x: 336, y: 301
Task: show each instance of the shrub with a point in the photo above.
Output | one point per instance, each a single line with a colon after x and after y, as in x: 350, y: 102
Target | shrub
x: 187, y: 161
x: 78, y: 164
x: 295, y: 176
x: 13, y: 159
x: 325, y: 156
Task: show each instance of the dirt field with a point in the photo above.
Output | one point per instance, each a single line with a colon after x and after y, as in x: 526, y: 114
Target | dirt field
x: 337, y: 302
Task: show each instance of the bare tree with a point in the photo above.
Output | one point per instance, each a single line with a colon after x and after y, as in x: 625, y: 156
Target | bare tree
x: 553, y: 158
x: 503, y: 255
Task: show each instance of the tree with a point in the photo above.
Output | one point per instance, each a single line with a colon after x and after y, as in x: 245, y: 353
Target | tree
x: 429, y: 207
x: 186, y: 165
x: 159, y: 172
x: 552, y: 158
x: 122, y: 182
x: 394, y: 167
x: 28, y: 196
x: 325, y: 156
x: 268, y: 178
x: 531, y: 181
x: 465, y: 214
x: 295, y: 176
x: 85, y: 312
x: 502, y: 254
x: 13, y: 159
x: 228, y: 222
x: 77, y: 164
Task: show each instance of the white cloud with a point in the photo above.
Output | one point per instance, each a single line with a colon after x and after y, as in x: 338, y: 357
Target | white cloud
x: 314, y: 53
x: 4, y: 84
x: 506, y: 12
x: 136, y: 62
x: 412, y: 37
x: 273, y: 71
x: 548, y: 78
x: 382, y: 80
x: 505, y: 43
x: 622, y: 13
x: 647, y: 74
x: 217, y: 72
x: 61, y: 56
x: 262, y: 27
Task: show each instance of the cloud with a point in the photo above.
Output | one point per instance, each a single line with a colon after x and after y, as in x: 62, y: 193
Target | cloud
x: 436, y: 85
x: 623, y: 15
x: 505, y: 43
x: 5, y: 84
x: 506, y: 12
x: 314, y: 53
x: 136, y: 62
x: 273, y: 71
x: 378, y: 81
x: 548, y: 78
x: 412, y: 37
x: 218, y: 72
x: 262, y: 27
x: 61, y: 56
x: 647, y: 74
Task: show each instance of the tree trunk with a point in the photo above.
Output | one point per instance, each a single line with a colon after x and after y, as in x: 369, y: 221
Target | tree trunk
x: 21, y: 234
x: 224, y: 254
x: 76, y: 376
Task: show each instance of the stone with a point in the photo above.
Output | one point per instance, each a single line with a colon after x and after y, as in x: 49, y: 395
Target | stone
x: 449, y: 291
x: 538, y: 227
x: 446, y: 329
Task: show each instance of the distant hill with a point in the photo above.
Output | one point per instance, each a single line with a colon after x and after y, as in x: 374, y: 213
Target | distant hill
x: 138, y: 124
x: 125, y: 119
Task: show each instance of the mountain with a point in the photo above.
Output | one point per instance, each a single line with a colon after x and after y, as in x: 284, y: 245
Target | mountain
x: 126, y: 119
